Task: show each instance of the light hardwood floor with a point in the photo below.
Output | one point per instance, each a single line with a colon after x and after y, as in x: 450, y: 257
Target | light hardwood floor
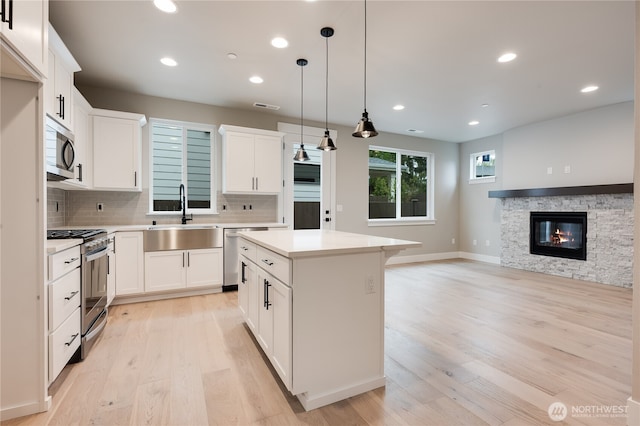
x: 466, y: 343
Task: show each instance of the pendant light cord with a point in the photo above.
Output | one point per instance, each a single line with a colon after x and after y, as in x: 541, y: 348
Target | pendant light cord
x: 301, y: 103
x: 326, y: 89
x: 365, y: 55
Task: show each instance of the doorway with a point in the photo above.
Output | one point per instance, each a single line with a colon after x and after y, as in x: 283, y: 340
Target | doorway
x: 308, y: 199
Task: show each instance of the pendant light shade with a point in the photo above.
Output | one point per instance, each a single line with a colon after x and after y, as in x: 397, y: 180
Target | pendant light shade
x: 365, y: 128
x: 326, y: 144
x: 301, y: 154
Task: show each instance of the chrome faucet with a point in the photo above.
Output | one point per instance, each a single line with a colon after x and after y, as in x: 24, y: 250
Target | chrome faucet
x: 184, y: 205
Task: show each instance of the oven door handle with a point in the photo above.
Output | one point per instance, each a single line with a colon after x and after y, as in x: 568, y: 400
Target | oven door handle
x: 97, y: 326
x: 96, y: 255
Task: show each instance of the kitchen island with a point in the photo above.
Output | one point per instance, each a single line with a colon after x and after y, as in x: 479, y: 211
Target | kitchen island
x: 314, y: 300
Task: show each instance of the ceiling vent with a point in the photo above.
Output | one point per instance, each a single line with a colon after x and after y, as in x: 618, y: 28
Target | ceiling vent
x: 266, y: 106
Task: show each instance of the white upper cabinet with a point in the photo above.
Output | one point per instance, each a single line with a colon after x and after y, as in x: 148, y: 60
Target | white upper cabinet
x: 58, y: 87
x: 251, y: 160
x: 117, y: 150
x: 24, y: 33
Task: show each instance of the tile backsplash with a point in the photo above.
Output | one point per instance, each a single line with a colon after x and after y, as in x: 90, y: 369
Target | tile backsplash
x: 79, y: 208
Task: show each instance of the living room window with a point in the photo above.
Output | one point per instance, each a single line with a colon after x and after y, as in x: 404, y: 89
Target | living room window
x: 400, y: 186
x: 181, y: 153
x: 482, y: 167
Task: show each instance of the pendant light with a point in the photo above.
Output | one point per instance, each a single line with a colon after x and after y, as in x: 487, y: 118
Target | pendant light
x: 364, y: 128
x: 326, y: 144
x: 301, y: 155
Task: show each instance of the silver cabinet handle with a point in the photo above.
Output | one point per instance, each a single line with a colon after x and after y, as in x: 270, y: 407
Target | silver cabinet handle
x: 70, y: 296
x: 73, y: 259
x: 268, y: 262
x: 72, y: 339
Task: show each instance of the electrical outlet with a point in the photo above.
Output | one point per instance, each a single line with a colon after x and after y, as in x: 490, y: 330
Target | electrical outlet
x: 549, y: 170
x: 453, y: 241
x: 475, y: 242
x: 100, y: 207
x: 567, y: 169
x: 369, y: 285
x: 487, y: 243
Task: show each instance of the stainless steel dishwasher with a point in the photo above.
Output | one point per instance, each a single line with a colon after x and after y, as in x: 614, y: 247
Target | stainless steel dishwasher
x: 231, y: 256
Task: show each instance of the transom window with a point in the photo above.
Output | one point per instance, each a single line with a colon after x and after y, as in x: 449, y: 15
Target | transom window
x: 400, y: 185
x: 181, y: 154
x: 482, y: 167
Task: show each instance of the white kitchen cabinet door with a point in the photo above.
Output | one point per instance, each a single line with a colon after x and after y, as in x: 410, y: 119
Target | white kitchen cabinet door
x: 165, y: 270
x: 58, y: 86
x: 253, y: 295
x: 117, y: 146
x: 265, y: 312
x: 238, y: 163
x: 243, y: 287
x: 27, y: 34
x: 204, y: 267
x: 252, y: 160
x: 268, y: 164
x: 129, y: 263
x: 111, y: 270
x: 280, y: 295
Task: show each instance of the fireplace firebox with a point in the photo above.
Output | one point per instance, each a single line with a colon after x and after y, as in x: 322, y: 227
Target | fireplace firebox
x: 559, y: 234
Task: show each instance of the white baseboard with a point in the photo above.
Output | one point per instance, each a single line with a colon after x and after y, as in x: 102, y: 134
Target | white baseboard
x: 398, y: 260
x: 26, y: 409
x: 480, y: 257
x: 633, y: 412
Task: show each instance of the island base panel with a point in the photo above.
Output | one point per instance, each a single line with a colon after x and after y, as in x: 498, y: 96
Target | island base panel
x: 313, y: 401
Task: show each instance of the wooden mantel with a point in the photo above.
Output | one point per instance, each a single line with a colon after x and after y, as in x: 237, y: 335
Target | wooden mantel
x: 619, y: 188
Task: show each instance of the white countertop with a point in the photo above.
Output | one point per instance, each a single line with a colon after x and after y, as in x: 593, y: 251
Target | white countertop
x: 115, y: 228
x: 54, y: 246
x: 302, y: 243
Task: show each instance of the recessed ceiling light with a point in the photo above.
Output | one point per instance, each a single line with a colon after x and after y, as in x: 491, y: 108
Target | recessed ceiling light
x: 169, y: 62
x: 484, y: 105
x: 256, y: 79
x: 589, y: 89
x: 232, y: 55
x: 415, y: 131
x: 398, y: 107
x: 167, y: 6
x: 279, y: 42
x: 474, y: 123
x: 507, y: 57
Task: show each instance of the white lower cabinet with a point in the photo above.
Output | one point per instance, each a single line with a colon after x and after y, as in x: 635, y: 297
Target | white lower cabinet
x: 129, y: 263
x: 111, y: 269
x: 178, y: 269
x: 63, y: 293
x: 266, y: 304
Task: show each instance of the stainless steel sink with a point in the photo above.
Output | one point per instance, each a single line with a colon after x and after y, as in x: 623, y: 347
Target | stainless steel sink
x: 182, y: 237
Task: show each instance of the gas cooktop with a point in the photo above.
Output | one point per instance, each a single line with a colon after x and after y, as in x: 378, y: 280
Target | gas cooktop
x: 57, y: 234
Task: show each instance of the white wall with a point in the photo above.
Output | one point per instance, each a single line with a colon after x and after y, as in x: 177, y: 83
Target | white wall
x: 597, y: 145
x: 479, y: 214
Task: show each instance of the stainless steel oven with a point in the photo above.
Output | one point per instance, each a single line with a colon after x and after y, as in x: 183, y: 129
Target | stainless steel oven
x: 93, y: 288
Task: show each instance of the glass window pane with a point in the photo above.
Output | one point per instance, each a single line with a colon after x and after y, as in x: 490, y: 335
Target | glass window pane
x: 382, y: 185
x: 167, y: 167
x: 484, y: 164
x: 198, y: 169
x: 413, y: 186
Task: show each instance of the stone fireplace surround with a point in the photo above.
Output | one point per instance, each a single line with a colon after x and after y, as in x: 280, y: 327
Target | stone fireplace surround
x: 609, y: 231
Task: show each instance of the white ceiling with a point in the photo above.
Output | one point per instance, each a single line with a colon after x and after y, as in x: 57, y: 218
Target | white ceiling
x: 438, y: 58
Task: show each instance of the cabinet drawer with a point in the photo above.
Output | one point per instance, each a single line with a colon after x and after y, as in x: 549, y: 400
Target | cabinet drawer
x: 275, y: 264
x: 64, y: 298
x: 247, y: 249
x: 63, y: 262
x: 63, y: 343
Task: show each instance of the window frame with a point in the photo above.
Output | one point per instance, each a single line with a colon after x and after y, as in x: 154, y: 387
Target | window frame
x: 429, y: 219
x: 186, y: 126
x: 472, y: 167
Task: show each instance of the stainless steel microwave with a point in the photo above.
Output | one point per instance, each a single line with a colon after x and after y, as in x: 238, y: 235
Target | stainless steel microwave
x: 61, y: 154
